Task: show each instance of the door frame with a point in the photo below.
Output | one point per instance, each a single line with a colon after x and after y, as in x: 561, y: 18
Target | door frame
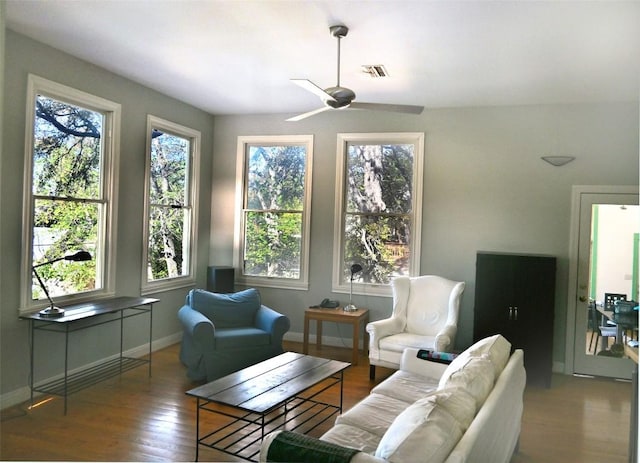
x: 572, y: 291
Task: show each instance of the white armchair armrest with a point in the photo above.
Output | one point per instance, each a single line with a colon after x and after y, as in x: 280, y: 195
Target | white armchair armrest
x: 382, y: 328
x: 444, y: 339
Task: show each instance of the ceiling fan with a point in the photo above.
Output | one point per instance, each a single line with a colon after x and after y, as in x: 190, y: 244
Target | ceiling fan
x: 341, y: 97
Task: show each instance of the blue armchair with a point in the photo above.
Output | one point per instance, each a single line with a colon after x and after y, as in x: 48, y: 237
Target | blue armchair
x: 224, y: 333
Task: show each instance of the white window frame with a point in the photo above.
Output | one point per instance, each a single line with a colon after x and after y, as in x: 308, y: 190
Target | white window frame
x: 192, y: 199
x: 301, y: 283
x: 339, y: 283
x: 111, y: 153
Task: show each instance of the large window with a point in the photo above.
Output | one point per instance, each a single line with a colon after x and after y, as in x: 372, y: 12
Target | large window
x: 69, y: 198
x: 272, y: 239
x: 172, y: 160
x: 378, y: 209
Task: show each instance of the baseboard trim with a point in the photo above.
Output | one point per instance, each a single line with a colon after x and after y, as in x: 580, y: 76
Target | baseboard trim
x: 23, y: 394
x: 326, y: 340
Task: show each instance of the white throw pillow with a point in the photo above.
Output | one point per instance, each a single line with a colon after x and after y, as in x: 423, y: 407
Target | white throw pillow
x: 476, y: 377
x: 424, y: 431
x: 496, y: 348
x: 458, y: 402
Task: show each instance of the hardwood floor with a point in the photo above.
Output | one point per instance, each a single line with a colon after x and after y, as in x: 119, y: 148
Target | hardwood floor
x: 137, y: 418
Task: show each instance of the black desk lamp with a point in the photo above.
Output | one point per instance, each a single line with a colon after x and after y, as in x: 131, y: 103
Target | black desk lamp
x: 355, y: 268
x: 52, y: 310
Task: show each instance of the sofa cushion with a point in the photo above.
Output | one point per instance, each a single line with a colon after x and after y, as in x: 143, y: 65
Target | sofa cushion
x: 425, y: 430
x: 227, y: 310
x: 374, y: 413
x: 406, y: 386
x: 233, y: 338
x: 476, y: 376
x: 352, y: 436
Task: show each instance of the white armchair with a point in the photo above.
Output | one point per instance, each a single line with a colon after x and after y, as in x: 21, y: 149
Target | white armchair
x: 425, y: 316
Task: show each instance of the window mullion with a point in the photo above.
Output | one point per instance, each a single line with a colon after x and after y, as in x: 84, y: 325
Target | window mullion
x: 70, y: 199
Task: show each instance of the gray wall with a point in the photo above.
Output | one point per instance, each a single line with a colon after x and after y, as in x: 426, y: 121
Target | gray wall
x: 485, y: 188
x: 25, y: 56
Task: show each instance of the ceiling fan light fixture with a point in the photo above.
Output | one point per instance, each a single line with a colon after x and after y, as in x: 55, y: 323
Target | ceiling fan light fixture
x: 558, y: 161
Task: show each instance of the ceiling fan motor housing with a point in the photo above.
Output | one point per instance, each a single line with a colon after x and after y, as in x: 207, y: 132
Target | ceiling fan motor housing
x: 342, y: 97
x: 339, y: 30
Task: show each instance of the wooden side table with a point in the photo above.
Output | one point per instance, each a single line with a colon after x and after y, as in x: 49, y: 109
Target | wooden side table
x: 357, y: 318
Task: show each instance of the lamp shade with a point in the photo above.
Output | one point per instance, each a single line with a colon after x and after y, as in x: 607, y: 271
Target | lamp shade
x: 79, y: 256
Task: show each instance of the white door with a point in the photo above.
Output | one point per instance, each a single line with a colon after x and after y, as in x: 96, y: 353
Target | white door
x: 607, y: 225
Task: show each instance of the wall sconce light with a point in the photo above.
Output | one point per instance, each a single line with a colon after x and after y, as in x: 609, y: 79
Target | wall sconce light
x: 355, y: 268
x: 558, y: 160
x: 52, y: 310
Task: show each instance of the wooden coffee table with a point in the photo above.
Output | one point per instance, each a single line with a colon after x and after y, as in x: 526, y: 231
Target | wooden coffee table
x: 283, y: 392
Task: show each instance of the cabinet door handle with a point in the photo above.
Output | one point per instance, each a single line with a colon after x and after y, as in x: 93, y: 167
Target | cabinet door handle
x: 510, y: 313
x: 515, y: 311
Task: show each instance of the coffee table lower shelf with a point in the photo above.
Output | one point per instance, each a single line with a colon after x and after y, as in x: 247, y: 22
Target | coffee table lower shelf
x: 238, y: 430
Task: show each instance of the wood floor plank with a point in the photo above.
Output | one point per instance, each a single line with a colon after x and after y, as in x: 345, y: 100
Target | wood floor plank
x: 137, y: 418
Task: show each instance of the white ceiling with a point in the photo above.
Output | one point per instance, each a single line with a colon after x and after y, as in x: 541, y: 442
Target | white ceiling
x: 237, y: 56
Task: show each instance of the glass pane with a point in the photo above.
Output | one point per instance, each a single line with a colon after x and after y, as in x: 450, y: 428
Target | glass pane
x: 275, y: 177
x: 379, y: 178
x: 62, y: 228
x: 169, y: 167
x: 380, y: 244
x: 168, y: 228
x: 273, y: 244
x: 66, y: 150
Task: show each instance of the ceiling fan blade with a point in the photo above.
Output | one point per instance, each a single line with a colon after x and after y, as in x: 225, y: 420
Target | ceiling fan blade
x: 398, y: 108
x: 299, y: 117
x: 313, y: 88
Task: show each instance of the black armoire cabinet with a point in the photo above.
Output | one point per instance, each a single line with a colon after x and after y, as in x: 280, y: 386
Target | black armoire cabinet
x: 515, y: 297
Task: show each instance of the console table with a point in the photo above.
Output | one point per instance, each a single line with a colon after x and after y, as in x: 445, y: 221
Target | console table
x: 80, y: 317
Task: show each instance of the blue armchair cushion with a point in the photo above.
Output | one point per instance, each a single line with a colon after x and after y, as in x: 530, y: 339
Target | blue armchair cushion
x: 227, y: 310
x: 230, y: 338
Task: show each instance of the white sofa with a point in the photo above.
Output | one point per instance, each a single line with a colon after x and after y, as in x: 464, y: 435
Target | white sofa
x: 468, y: 411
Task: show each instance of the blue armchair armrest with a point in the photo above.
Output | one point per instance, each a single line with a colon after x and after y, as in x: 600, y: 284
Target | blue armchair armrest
x: 198, y: 326
x: 272, y: 322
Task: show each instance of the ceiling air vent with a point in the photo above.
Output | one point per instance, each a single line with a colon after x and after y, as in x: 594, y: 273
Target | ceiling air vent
x: 375, y: 70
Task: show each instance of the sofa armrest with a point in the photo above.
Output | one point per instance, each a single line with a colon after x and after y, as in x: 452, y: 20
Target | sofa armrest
x: 272, y: 322
x: 382, y: 328
x: 445, y: 337
x: 286, y: 446
x: 198, y: 326
x: 411, y: 363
